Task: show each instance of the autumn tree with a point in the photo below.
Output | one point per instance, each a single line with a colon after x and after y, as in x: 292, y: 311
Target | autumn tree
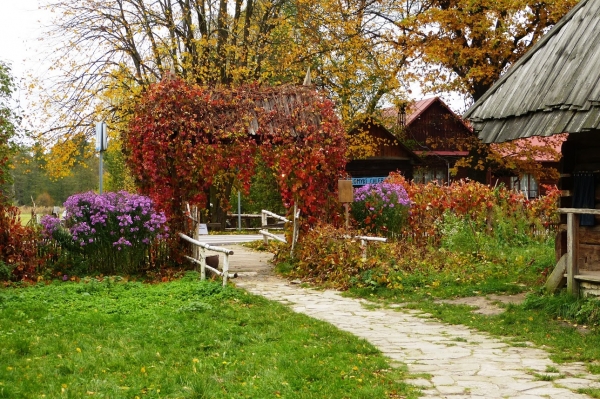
x: 32, y: 177
x: 358, y: 51
x: 8, y: 121
x: 466, y: 45
x: 109, y: 51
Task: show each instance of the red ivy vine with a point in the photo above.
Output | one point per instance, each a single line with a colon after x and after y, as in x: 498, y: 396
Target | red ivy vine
x: 185, y: 139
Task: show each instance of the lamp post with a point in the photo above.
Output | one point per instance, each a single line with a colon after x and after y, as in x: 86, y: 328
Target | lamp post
x: 101, y: 145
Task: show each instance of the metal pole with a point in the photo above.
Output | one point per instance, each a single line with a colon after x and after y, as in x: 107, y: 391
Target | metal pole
x: 100, y: 169
x: 239, y: 210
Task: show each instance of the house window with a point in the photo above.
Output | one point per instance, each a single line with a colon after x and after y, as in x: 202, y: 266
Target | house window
x: 425, y: 175
x: 526, y: 184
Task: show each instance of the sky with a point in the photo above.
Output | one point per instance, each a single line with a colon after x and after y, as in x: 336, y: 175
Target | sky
x: 21, y: 24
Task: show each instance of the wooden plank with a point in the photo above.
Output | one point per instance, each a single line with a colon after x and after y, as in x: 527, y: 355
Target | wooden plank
x: 579, y: 211
x: 566, y: 193
x: 586, y: 74
x: 557, y: 278
x: 572, y: 253
x: 590, y: 287
x: 589, y: 257
x: 589, y: 276
x: 589, y: 236
x: 345, y: 191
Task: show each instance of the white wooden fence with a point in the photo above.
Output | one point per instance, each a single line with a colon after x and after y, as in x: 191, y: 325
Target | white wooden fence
x: 364, y: 241
x: 200, y: 258
x: 266, y: 235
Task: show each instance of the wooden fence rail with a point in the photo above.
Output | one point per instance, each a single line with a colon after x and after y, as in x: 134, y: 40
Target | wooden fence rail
x: 200, y: 258
x: 266, y: 214
x: 364, y: 240
x: 267, y: 235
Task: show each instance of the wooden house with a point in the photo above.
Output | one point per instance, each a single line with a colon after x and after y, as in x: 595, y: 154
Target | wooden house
x: 555, y: 88
x: 434, y: 133
x: 390, y: 156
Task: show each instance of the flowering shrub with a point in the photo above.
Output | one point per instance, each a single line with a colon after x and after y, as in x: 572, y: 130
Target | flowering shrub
x: 494, y: 211
x: 452, y: 235
x: 112, y: 230
x: 381, y: 208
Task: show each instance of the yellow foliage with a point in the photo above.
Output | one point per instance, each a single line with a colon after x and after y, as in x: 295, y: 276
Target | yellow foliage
x: 468, y: 44
x: 108, y: 57
x: 65, y: 154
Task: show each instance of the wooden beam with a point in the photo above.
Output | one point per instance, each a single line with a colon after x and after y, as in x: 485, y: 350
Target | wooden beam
x: 579, y: 211
x: 572, y: 253
x: 557, y: 279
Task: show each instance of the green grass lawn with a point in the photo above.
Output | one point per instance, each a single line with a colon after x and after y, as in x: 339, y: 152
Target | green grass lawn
x: 25, y: 218
x: 183, y: 339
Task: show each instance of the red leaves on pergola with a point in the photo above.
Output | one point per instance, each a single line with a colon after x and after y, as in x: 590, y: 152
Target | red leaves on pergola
x: 185, y: 139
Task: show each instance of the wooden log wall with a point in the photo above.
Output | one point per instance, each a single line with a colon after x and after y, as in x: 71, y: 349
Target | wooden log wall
x: 581, y: 153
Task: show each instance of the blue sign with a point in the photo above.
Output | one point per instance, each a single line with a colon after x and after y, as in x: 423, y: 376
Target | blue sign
x: 362, y: 181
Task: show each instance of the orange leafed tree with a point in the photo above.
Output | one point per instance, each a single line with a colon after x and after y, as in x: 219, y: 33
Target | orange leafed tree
x: 467, y: 44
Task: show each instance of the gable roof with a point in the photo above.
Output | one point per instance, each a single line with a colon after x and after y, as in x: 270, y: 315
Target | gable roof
x: 554, y: 88
x: 388, y: 135
x: 415, y: 110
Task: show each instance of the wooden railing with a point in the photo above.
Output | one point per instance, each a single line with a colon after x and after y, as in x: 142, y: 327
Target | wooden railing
x: 267, y: 214
x: 573, y: 215
x: 200, y: 258
x: 266, y: 235
x: 364, y: 240
x: 263, y: 216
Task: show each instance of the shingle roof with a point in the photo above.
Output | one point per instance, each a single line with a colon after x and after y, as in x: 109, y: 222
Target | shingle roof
x: 553, y: 88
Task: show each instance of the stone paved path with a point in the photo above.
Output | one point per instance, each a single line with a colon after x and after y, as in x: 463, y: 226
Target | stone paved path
x: 463, y: 363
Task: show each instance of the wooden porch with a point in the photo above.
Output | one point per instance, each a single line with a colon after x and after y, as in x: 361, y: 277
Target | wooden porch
x: 578, y: 266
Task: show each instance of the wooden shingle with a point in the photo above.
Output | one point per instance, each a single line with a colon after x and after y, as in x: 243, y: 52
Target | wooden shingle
x: 553, y: 88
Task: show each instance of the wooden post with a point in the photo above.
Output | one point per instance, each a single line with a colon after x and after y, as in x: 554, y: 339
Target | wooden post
x: 263, y: 219
x: 346, y: 195
x: 202, y: 259
x: 195, y: 234
x: 225, y: 269
x: 572, y: 253
x: 294, y: 227
x: 363, y: 244
x: 347, y: 209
